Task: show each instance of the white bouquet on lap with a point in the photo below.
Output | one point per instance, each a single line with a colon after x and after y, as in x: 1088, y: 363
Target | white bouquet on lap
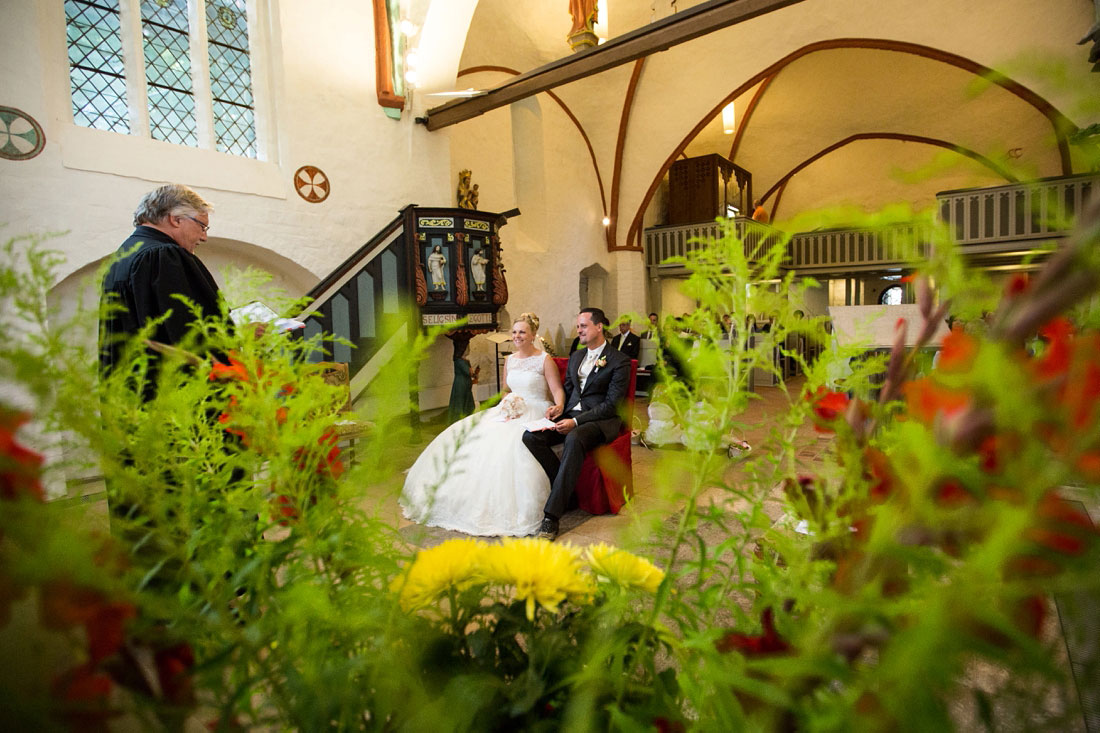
x: 513, y: 406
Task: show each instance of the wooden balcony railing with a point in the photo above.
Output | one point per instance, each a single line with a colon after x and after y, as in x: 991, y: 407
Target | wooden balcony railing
x: 676, y: 241
x: 1017, y: 212
x: 984, y: 221
x: 855, y: 248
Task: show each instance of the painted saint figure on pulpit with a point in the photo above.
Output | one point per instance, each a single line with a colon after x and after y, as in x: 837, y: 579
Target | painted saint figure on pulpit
x: 436, y: 262
x: 477, y: 268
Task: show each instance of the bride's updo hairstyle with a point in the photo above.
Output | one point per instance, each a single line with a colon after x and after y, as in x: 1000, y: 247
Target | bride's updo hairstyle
x: 531, y: 320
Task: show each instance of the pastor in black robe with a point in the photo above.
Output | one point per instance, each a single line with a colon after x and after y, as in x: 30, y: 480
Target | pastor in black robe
x: 145, y: 283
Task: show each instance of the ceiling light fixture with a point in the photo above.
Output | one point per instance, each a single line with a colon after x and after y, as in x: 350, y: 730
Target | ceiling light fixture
x: 728, y: 119
x: 471, y: 92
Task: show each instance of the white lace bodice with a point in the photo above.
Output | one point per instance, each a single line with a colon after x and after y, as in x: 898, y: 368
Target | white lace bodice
x: 526, y: 378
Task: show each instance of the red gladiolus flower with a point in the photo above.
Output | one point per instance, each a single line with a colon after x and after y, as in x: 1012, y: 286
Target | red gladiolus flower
x: 1081, y: 393
x: 1016, y: 285
x: 1029, y: 614
x: 234, y: 370
x: 995, y: 449
x: 958, y: 352
x: 285, y: 509
x: 20, y: 467
x: 106, y: 629
x: 664, y: 725
x: 769, y: 642
x: 63, y: 605
x: 1055, y: 508
x: 1061, y: 528
x: 1030, y: 566
x: 85, y: 694
x: 172, y: 672
x: 909, y: 278
x: 1056, y: 358
x: 926, y: 400
x: 951, y: 493
x: 1058, y: 541
x: 1089, y: 465
x: 330, y: 463
x: 881, y: 474
x: 827, y: 407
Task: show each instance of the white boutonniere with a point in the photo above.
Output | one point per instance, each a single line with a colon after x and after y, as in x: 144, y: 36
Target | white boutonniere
x: 601, y: 362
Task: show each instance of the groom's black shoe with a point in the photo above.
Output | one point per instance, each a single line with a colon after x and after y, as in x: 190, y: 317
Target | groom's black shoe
x: 548, y: 530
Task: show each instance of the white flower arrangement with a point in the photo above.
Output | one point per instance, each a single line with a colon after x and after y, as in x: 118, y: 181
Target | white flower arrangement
x: 513, y: 406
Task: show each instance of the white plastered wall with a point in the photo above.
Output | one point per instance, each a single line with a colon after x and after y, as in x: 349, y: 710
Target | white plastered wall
x: 531, y: 156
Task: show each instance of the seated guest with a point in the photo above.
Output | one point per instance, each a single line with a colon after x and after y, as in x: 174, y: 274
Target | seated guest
x: 759, y: 213
x: 627, y: 341
x: 651, y: 332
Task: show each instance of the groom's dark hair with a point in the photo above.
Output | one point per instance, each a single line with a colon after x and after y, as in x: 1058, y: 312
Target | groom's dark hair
x: 597, y: 316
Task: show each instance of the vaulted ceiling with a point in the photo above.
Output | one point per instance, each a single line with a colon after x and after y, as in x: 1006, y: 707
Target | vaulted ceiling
x: 842, y: 121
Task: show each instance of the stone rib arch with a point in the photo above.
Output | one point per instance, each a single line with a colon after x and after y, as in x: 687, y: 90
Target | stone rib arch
x: 783, y: 180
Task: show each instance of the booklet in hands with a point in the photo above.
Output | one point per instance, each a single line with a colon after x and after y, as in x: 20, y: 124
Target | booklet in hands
x: 541, y: 424
x: 257, y: 312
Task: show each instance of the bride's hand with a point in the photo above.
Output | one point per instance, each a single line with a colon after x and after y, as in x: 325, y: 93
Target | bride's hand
x: 553, y: 411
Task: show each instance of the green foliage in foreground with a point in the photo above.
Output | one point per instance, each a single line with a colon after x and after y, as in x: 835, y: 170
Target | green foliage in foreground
x: 251, y: 581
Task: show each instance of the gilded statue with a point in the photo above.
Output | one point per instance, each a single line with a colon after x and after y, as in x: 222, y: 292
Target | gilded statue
x: 467, y: 194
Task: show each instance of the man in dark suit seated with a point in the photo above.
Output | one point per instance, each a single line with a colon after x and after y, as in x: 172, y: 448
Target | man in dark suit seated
x: 627, y: 341
x: 596, y: 382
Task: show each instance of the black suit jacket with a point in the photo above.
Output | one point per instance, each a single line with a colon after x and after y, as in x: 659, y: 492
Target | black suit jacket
x: 603, y: 394
x: 630, y: 344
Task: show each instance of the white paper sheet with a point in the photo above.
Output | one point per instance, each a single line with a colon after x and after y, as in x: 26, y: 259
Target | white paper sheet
x: 541, y: 424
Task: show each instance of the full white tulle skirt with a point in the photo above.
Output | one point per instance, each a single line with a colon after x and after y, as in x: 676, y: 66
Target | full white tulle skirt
x: 478, y: 477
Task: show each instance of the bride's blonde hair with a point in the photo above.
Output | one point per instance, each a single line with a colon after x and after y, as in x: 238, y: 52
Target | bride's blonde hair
x: 531, y: 320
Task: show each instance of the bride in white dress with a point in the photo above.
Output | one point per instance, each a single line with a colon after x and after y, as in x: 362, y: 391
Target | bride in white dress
x: 477, y: 476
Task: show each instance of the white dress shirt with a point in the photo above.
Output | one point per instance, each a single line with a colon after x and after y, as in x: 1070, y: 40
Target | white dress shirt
x: 586, y: 367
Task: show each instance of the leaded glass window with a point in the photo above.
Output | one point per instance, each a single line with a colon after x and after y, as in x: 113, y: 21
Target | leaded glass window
x: 96, y: 69
x: 231, y: 77
x: 167, y: 49
x: 100, y: 78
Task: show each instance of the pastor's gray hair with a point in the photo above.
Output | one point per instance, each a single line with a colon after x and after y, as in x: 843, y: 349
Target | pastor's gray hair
x: 172, y: 199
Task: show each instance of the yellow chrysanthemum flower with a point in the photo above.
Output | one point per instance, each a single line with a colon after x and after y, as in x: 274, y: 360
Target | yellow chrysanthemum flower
x: 623, y: 568
x: 452, y: 564
x: 542, y: 572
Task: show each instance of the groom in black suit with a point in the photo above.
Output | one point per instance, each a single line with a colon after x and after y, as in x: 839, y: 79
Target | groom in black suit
x: 595, y: 386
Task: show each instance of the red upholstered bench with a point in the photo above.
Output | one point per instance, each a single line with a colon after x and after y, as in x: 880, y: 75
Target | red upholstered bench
x: 606, y: 478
